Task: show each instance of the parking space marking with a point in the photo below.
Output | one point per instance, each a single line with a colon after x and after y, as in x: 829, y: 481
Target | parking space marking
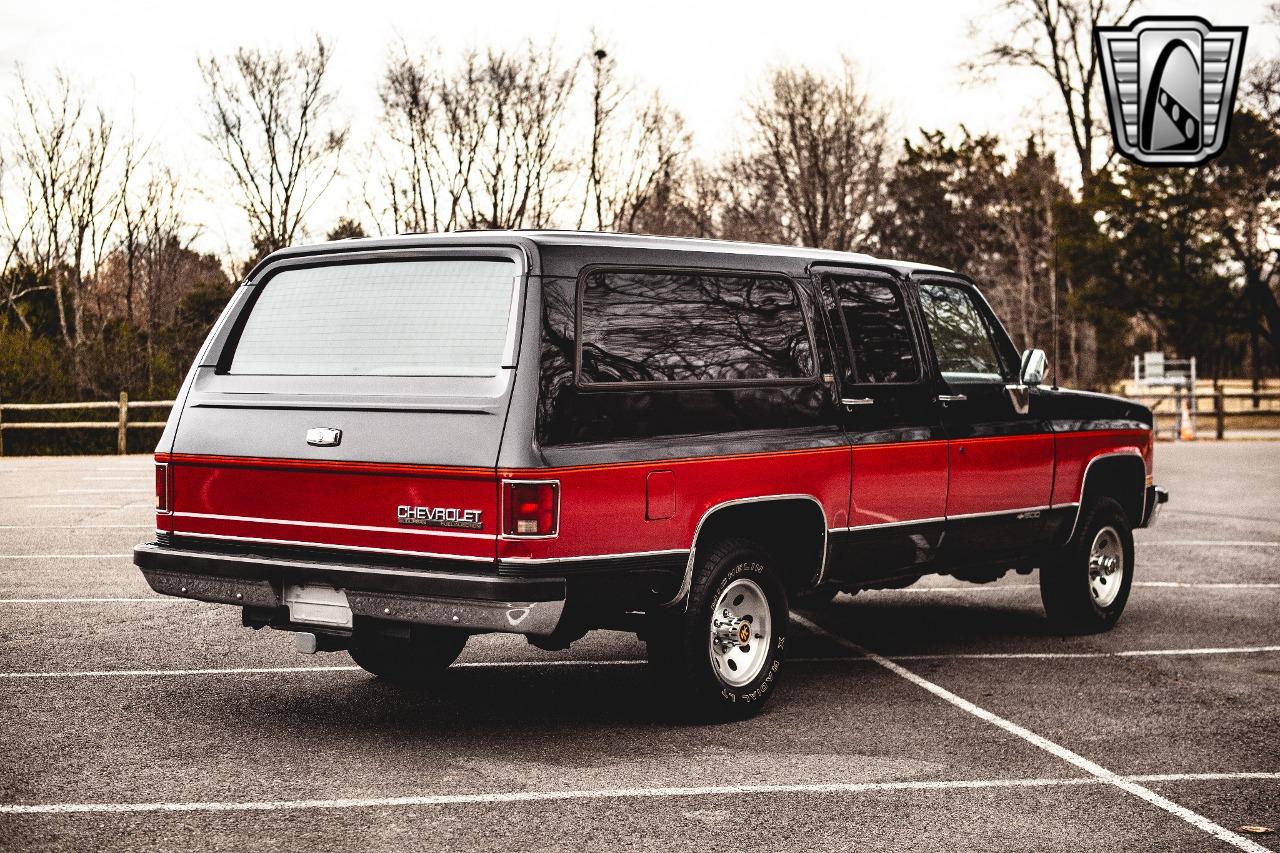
x: 63, y: 556
x: 91, y: 506
x: 275, y: 670
x: 860, y: 658
x: 1057, y: 750
x: 1129, y: 653
x: 504, y: 797
x: 1211, y: 542
x: 76, y: 526
x: 154, y: 599
x: 1025, y: 587
x: 104, y: 491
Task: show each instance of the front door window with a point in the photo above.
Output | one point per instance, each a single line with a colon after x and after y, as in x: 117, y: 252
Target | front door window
x: 960, y: 335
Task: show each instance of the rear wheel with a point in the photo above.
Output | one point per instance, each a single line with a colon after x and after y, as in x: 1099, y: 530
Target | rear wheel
x: 412, y: 661
x: 1086, y: 585
x: 724, y: 653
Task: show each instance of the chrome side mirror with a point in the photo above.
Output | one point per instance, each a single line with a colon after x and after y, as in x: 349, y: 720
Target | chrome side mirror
x: 1031, y: 372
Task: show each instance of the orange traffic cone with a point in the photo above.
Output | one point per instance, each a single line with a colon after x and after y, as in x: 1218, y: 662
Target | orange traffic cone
x: 1187, y: 432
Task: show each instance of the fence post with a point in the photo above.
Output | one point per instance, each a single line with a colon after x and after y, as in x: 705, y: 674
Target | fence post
x: 122, y: 431
x: 1219, y: 410
x: 1, y: 430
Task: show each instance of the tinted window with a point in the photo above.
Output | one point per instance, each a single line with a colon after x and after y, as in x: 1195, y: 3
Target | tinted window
x: 691, y: 327
x: 960, y: 335
x: 395, y: 318
x: 879, y: 333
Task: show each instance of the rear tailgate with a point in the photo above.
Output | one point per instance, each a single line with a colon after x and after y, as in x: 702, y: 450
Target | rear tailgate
x: 333, y: 415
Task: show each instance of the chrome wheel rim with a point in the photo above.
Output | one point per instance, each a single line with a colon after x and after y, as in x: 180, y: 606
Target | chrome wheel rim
x: 741, y: 632
x: 1106, y: 567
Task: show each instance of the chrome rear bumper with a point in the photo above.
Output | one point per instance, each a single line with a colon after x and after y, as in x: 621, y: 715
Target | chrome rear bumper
x: 470, y: 601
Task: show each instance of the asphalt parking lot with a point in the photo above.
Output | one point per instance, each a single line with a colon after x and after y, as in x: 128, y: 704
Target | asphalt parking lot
x: 940, y: 717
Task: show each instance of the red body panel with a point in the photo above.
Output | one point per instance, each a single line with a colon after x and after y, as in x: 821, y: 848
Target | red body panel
x: 631, y: 507
x: 1000, y: 473
x: 1076, y: 449
x: 898, y: 482
x: 340, y: 504
x: 602, y: 508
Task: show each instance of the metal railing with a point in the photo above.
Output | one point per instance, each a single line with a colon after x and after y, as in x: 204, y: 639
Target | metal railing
x: 121, y: 424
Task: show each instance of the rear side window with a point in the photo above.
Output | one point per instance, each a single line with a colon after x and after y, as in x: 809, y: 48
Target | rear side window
x: 880, y: 340
x: 961, y: 337
x: 657, y: 327
x: 391, y: 318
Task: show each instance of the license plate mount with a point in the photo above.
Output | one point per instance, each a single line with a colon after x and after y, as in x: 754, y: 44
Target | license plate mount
x: 317, y: 604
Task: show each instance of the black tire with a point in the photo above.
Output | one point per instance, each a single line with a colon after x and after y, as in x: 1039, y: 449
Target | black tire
x: 413, y: 661
x: 1072, y: 602
x: 680, y: 643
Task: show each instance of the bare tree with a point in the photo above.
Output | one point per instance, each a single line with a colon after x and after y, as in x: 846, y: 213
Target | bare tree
x: 435, y: 127
x: 476, y: 146
x: 1056, y: 38
x: 67, y: 203
x: 522, y: 168
x: 816, y: 166
x: 271, y: 120
x: 634, y: 154
x: 1263, y: 88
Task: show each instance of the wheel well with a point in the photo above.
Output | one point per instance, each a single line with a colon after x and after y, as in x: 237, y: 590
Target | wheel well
x: 1122, y: 478
x: 792, y: 530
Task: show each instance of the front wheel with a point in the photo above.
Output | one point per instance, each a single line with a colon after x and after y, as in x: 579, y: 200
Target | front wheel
x: 1086, y: 585
x: 723, y: 655
x: 412, y: 661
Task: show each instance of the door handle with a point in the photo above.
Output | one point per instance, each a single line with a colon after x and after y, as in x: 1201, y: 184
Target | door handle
x: 952, y: 398
x: 850, y: 402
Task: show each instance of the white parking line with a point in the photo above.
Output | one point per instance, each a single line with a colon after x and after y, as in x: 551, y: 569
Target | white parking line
x: 140, y: 505
x: 504, y: 797
x: 75, y: 526
x: 1057, y: 750
x: 274, y: 670
x: 1211, y: 542
x: 1028, y: 587
x: 1129, y: 653
x: 103, y: 491
x: 861, y: 658
x: 62, y: 556
x: 154, y: 599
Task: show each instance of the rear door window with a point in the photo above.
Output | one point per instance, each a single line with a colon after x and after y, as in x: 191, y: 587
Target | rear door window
x: 651, y: 327
x: 874, y: 317
x: 446, y: 317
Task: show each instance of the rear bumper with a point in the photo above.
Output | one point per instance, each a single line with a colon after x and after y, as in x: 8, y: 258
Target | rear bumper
x: 1156, y: 498
x: 471, y: 601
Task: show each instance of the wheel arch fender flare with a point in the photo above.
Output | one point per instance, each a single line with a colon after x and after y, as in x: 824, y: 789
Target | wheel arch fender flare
x: 721, y: 510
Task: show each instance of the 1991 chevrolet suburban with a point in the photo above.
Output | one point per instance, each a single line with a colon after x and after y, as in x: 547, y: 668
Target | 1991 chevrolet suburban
x: 387, y: 445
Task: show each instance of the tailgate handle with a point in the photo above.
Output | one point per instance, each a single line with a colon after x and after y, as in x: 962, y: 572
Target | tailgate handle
x: 324, y: 437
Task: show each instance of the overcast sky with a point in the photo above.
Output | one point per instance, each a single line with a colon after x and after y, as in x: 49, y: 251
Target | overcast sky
x: 138, y: 59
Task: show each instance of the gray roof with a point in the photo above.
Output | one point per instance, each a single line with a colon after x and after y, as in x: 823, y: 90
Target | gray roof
x: 565, y: 242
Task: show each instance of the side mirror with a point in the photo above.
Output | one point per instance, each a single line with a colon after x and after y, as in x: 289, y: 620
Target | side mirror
x: 1031, y: 372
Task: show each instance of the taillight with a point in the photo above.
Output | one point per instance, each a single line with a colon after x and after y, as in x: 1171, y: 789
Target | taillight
x: 530, y: 508
x: 162, y: 487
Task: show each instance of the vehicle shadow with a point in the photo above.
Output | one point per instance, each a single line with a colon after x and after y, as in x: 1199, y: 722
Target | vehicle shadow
x: 897, y: 623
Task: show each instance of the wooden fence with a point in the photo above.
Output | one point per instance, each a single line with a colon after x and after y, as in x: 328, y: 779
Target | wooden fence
x: 1219, y: 406
x: 121, y: 424
x: 1215, y: 404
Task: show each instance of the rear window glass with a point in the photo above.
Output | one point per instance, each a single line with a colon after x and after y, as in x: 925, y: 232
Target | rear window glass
x: 393, y: 318
x: 648, y: 326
